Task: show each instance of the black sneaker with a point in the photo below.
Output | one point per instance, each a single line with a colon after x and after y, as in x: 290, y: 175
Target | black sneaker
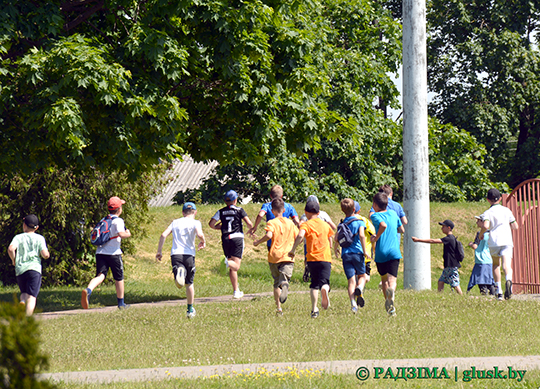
x: 284, y: 291
x: 508, y: 291
x: 500, y: 296
x: 359, y: 297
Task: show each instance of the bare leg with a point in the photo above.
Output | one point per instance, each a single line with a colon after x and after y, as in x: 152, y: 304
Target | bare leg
x: 314, y: 294
x: 440, y: 285
x: 277, y: 293
x: 96, y: 281
x: 119, y: 289
x: 30, y: 305
x: 234, y: 266
x: 190, y: 293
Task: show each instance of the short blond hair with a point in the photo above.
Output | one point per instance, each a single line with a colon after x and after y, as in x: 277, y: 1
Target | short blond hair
x: 276, y: 192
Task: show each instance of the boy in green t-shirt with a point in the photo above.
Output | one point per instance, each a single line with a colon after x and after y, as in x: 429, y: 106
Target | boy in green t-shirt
x: 25, y: 251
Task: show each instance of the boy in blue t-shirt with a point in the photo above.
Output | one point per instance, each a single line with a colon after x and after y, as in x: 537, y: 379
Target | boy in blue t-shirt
x: 353, y: 256
x: 387, y: 253
x: 276, y: 192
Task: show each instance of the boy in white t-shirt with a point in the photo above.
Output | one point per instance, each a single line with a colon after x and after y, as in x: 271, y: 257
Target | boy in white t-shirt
x: 500, y: 222
x: 183, y: 251
x: 109, y: 256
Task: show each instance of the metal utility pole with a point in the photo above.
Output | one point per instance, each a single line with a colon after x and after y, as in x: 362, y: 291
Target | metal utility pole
x: 417, y: 256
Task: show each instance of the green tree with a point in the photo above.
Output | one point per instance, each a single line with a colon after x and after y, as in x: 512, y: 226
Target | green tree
x: 341, y: 169
x: 484, y: 64
x: 122, y: 83
x: 69, y: 205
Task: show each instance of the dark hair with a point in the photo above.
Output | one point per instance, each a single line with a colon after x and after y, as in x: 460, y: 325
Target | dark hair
x: 278, y: 204
x: 386, y: 189
x: 381, y: 199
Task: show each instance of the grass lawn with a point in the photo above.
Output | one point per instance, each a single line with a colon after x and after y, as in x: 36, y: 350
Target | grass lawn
x: 429, y: 324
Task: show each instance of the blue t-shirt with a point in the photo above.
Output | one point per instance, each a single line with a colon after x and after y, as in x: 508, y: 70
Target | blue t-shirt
x: 481, y: 253
x: 356, y: 246
x: 394, y: 206
x: 288, y: 213
x: 387, y: 247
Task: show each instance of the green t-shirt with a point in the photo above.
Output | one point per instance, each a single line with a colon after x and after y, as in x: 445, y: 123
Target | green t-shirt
x: 28, y: 255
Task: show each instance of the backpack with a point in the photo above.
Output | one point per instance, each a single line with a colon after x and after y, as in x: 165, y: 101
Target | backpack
x: 101, y: 233
x: 345, y: 237
x: 460, y: 252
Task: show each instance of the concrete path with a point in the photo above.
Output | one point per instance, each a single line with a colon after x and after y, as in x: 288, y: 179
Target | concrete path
x: 500, y: 364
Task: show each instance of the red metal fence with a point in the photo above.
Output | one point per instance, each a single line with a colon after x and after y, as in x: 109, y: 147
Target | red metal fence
x: 524, y: 201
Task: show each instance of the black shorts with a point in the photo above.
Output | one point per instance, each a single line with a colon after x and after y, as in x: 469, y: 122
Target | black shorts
x: 368, y: 268
x: 188, y: 262
x: 29, y: 282
x: 320, y: 274
x: 233, y: 247
x: 389, y: 267
x: 113, y: 262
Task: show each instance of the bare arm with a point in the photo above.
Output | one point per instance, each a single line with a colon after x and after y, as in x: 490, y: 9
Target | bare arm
x: 514, y: 226
x: 213, y: 224
x: 299, y: 239
x: 162, y: 238
x: 404, y: 220
x: 258, y: 220
x: 382, y: 228
x: 296, y: 221
x: 248, y: 222
x: 401, y: 229
x: 124, y: 234
x: 265, y: 238
x: 12, y: 252
x: 45, y: 254
x: 200, y: 235
x: 415, y: 239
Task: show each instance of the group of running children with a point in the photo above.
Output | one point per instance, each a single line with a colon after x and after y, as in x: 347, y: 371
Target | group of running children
x: 358, y: 238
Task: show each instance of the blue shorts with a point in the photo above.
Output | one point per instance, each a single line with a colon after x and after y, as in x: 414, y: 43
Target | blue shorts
x: 30, y: 282
x: 450, y: 276
x: 353, y: 264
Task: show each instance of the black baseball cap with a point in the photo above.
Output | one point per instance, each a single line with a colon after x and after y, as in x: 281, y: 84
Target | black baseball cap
x: 493, y: 194
x: 31, y: 221
x: 312, y: 207
x: 448, y: 223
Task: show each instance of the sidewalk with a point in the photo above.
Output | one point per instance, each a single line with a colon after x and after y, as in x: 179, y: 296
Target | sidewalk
x: 336, y: 367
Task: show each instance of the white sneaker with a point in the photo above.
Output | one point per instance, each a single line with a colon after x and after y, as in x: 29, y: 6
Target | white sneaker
x: 226, y: 261
x: 238, y: 294
x: 191, y: 314
x: 180, y: 279
x: 325, y: 290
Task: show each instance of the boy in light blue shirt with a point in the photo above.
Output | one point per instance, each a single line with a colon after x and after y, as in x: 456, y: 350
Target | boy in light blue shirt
x: 482, y: 273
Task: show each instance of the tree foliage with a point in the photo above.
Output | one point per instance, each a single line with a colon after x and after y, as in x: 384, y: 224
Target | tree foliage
x: 69, y: 205
x: 121, y: 83
x: 484, y: 64
x: 341, y: 169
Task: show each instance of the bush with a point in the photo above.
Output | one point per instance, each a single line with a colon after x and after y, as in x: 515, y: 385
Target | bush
x: 20, y: 358
x: 69, y: 205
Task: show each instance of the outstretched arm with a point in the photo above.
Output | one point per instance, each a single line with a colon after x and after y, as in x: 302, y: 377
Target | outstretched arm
x: 415, y: 239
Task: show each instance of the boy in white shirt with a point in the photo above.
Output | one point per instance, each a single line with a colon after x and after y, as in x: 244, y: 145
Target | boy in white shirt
x: 183, y: 251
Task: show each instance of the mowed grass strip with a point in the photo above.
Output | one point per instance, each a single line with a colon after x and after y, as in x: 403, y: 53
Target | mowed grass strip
x: 428, y: 325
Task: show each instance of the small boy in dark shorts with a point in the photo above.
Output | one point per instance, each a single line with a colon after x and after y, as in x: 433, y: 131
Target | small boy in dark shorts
x: 388, y: 226
x: 26, y: 251
x: 184, y: 231
x: 318, y: 236
x: 450, y: 274
x: 229, y: 221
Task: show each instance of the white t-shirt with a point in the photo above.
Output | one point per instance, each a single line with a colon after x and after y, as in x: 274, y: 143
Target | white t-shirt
x: 112, y: 247
x: 322, y: 215
x: 500, y: 233
x: 184, y: 231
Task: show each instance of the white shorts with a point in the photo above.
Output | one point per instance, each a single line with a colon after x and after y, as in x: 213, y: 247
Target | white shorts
x: 500, y: 251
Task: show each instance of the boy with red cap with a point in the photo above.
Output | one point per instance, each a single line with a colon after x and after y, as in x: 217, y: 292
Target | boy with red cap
x: 109, y: 256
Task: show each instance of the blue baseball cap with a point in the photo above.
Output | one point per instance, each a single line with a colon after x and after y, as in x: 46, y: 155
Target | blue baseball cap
x: 356, y: 206
x: 231, y: 195
x: 189, y: 206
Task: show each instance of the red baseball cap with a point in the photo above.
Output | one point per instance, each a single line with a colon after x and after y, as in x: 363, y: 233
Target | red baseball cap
x: 114, y: 203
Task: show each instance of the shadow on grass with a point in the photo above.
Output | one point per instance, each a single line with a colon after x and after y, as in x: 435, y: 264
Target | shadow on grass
x: 52, y: 300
